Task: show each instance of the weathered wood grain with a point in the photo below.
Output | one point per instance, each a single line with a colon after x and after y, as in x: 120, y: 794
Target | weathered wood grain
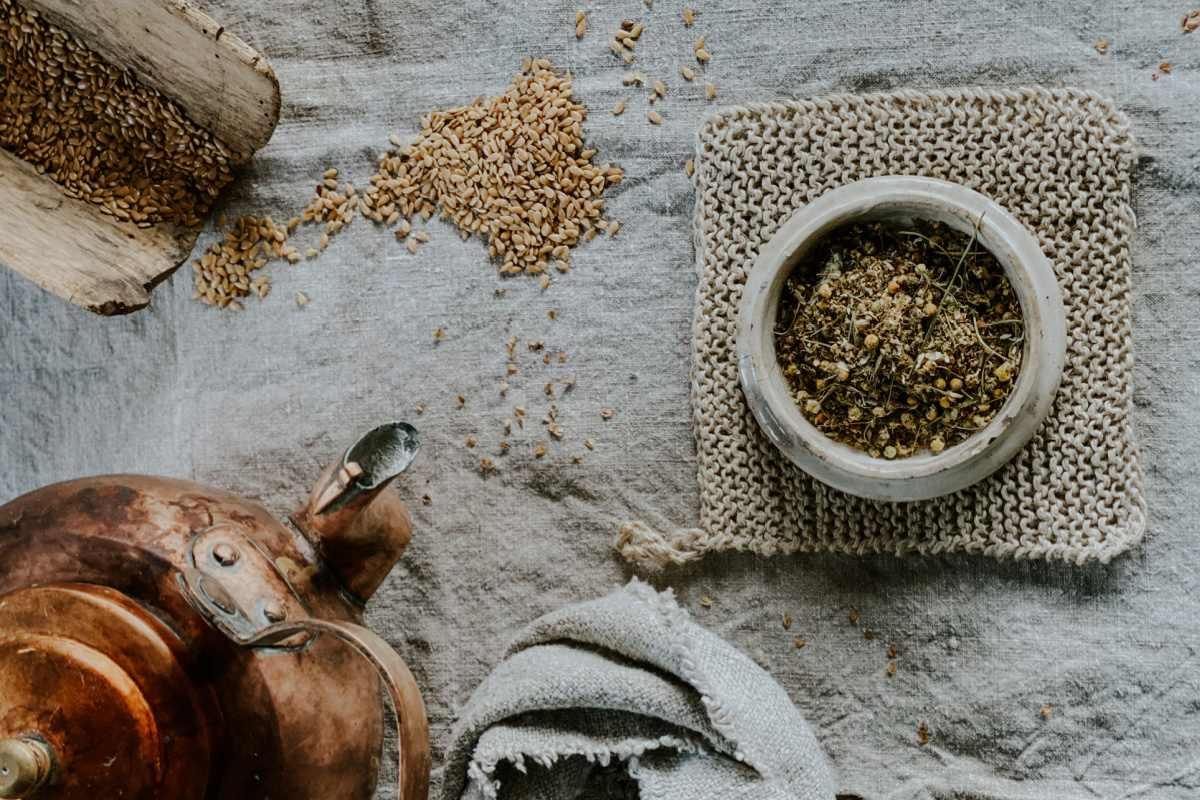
x: 68, y: 246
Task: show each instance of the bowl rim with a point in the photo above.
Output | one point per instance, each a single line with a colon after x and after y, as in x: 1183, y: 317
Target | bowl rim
x: 923, y: 475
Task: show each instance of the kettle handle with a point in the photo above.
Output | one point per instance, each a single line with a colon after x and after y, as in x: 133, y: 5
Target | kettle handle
x: 414, y: 759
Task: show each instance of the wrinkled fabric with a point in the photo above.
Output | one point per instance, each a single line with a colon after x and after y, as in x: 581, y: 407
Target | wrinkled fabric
x: 259, y: 402
x: 631, y: 678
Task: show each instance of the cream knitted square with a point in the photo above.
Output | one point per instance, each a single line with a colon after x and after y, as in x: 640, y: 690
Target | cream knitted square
x: 1058, y: 159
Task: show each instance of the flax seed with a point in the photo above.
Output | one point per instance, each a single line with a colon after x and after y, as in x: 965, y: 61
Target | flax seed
x: 687, y: 72
x: 710, y: 90
x: 619, y: 108
x: 655, y: 117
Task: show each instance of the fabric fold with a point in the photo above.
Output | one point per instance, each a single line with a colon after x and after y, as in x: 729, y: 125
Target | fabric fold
x: 630, y: 680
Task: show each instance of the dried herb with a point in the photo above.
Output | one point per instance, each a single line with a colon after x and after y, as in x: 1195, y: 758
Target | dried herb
x: 898, y: 338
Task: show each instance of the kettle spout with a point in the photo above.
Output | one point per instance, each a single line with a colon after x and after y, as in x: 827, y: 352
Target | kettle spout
x: 358, y: 527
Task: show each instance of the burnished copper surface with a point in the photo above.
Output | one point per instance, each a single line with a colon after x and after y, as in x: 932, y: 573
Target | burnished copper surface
x: 104, y: 683
x: 298, y: 721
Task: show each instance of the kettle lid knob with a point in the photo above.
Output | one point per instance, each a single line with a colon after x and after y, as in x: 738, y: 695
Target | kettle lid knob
x: 25, y: 766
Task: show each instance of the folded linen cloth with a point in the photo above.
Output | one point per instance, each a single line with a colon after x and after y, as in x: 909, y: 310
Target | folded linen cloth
x: 630, y: 680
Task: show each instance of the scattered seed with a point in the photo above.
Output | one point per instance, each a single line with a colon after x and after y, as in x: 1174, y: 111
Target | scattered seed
x: 627, y: 25
x: 655, y: 117
x: 891, y: 668
x: 519, y: 409
x: 421, y: 236
x: 688, y: 17
x: 1191, y: 21
x: 699, y: 45
x: 1045, y: 711
x: 301, y: 299
x: 420, y: 408
x: 235, y: 306
x: 503, y: 387
x: 923, y: 733
x: 1165, y: 67
x: 580, y: 16
x: 470, y: 441
x: 1102, y: 46
x: 869, y: 635
x: 787, y: 621
x: 710, y: 90
x: 485, y: 464
x: 607, y: 413
x: 616, y: 47
x: 619, y: 108
x: 540, y: 451
x: 512, y: 369
x: 437, y: 334
x: 549, y: 388
x: 687, y: 72
x: 552, y: 314
x: 891, y: 651
x: 562, y: 357
x: 577, y: 458
x: 426, y: 499
x: 462, y: 401
x: 412, y: 246
x: 628, y: 58
x: 452, y: 163
x: 690, y: 165
x: 613, y: 227
x: 590, y: 444
x: 853, y: 617
x: 636, y: 33
x: 504, y: 447
x: 800, y: 641
x: 580, y: 29
x: 660, y: 88
x: 705, y: 601
x: 703, y: 55
x: 545, y: 281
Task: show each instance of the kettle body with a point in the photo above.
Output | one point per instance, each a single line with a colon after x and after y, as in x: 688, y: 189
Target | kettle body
x: 164, y: 639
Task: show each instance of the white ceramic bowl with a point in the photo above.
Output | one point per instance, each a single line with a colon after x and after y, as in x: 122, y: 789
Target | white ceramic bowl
x: 925, y: 474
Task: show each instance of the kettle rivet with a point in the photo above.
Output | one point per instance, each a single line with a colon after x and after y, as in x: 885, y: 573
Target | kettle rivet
x: 274, y: 611
x: 226, y: 554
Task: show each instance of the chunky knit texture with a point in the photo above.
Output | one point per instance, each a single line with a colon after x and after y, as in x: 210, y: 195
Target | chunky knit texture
x: 1060, y: 161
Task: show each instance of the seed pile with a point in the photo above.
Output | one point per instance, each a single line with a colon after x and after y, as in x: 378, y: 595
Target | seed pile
x: 512, y: 168
x: 893, y: 340
x: 98, y: 132
x: 222, y: 274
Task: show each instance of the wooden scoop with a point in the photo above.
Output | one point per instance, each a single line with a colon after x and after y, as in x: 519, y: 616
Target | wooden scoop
x: 68, y: 246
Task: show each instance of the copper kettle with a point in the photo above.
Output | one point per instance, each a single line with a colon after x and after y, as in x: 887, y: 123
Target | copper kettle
x: 162, y: 640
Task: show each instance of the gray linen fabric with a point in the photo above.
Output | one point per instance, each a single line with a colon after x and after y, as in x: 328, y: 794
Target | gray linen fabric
x: 623, y: 677
x: 259, y: 402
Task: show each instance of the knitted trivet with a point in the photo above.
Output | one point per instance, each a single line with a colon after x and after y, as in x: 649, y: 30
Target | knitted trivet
x: 1058, y: 159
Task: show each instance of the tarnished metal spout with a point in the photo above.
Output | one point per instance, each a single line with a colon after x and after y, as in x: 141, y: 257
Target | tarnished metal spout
x: 358, y: 527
